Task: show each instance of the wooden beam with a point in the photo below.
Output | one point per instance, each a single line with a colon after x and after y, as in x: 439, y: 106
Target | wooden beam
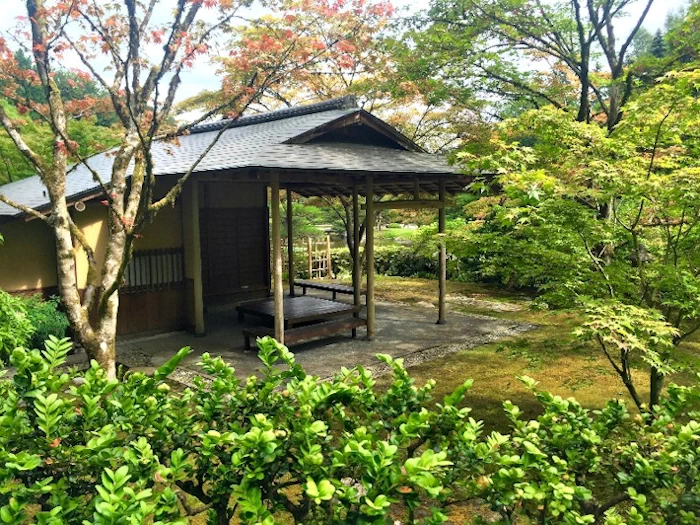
x: 356, y: 267
x: 442, y: 277
x: 360, y: 117
x: 277, y: 258
x: 316, y: 180
x: 408, y: 204
x: 290, y: 244
x: 369, y: 251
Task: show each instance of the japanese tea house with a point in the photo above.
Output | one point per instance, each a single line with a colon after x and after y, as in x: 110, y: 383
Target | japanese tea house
x: 214, y: 247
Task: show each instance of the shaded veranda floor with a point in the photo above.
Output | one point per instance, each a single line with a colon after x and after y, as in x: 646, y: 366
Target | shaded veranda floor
x: 402, y: 331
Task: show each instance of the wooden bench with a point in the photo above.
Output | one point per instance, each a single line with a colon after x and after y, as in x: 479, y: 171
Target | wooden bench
x: 334, y: 288
x: 308, y: 332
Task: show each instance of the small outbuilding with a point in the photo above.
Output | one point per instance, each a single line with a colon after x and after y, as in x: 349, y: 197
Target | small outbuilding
x: 215, y: 246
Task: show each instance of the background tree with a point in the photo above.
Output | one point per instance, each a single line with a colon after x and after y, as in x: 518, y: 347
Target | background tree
x: 147, y: 52
x: 90, y: 121
x: 353, y: 65
x: 556, y: 174
x: 529, y: 52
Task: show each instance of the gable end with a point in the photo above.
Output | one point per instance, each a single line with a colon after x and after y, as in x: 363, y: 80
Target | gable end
x: 359, y: 127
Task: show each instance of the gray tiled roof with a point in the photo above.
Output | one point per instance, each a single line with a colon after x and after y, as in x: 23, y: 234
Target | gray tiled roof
x: 256, y: 141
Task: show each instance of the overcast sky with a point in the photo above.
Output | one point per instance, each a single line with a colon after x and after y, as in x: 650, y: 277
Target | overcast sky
x: 204, y: 76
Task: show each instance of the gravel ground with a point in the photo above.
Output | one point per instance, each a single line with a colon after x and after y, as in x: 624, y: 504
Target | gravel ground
x: 403, y: 331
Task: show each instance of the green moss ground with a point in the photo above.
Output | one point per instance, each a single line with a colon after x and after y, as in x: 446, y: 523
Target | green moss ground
x: 550, y: 354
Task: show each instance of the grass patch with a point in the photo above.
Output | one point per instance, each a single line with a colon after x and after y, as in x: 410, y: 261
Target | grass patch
x: 413, y: 290
x: 395, y: 234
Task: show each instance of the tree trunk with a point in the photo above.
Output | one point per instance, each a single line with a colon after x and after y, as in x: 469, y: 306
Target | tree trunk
x: 616, y: 95
x: 656, y: 385
x: 584, y: 106
x: 350, y: 232
x: 221, y: 514
x: 67, y: 280
x: 106, y: 353
x: 633, y: 393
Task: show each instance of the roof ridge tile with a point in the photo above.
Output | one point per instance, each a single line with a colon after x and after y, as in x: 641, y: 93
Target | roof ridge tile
x: 346, y: 102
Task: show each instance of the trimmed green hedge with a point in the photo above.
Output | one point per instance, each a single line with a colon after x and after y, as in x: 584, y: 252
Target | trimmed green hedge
x: 398, y: 261
x: 288, y: 447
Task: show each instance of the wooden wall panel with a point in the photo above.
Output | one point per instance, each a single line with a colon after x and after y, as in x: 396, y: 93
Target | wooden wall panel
x: 144, y: 313
x: 235, y: 261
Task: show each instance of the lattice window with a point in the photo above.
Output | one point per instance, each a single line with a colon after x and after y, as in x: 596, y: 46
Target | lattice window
x: 151, y: 270
x: 316, y: 252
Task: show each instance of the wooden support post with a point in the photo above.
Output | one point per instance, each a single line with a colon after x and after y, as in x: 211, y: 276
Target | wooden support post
x: 277, y: 258
x: 356, y: 263
x: 369, y: 252
x: 329, y: 266
x: 310, y: 253
x: 442, y: 277
x: 194, y: 258
x: 290, y: 244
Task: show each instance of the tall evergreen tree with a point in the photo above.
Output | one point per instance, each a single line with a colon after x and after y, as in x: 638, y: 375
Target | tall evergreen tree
x: 658, y: 46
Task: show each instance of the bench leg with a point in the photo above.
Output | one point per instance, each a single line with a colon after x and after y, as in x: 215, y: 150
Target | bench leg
x: 303, y: 290
x: 240, y: 317
x: 246, y: 339
x: 354, y: 333
x: 335, y: 295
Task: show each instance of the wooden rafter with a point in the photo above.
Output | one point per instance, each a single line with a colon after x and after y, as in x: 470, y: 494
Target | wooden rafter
x: 408, y: 204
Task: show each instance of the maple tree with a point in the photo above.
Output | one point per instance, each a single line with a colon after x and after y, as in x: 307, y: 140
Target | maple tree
x: 636, y: 273
x: 90, y: 127
x: 136, y: 54
x: 348, y: 29
x: 362, y: 61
